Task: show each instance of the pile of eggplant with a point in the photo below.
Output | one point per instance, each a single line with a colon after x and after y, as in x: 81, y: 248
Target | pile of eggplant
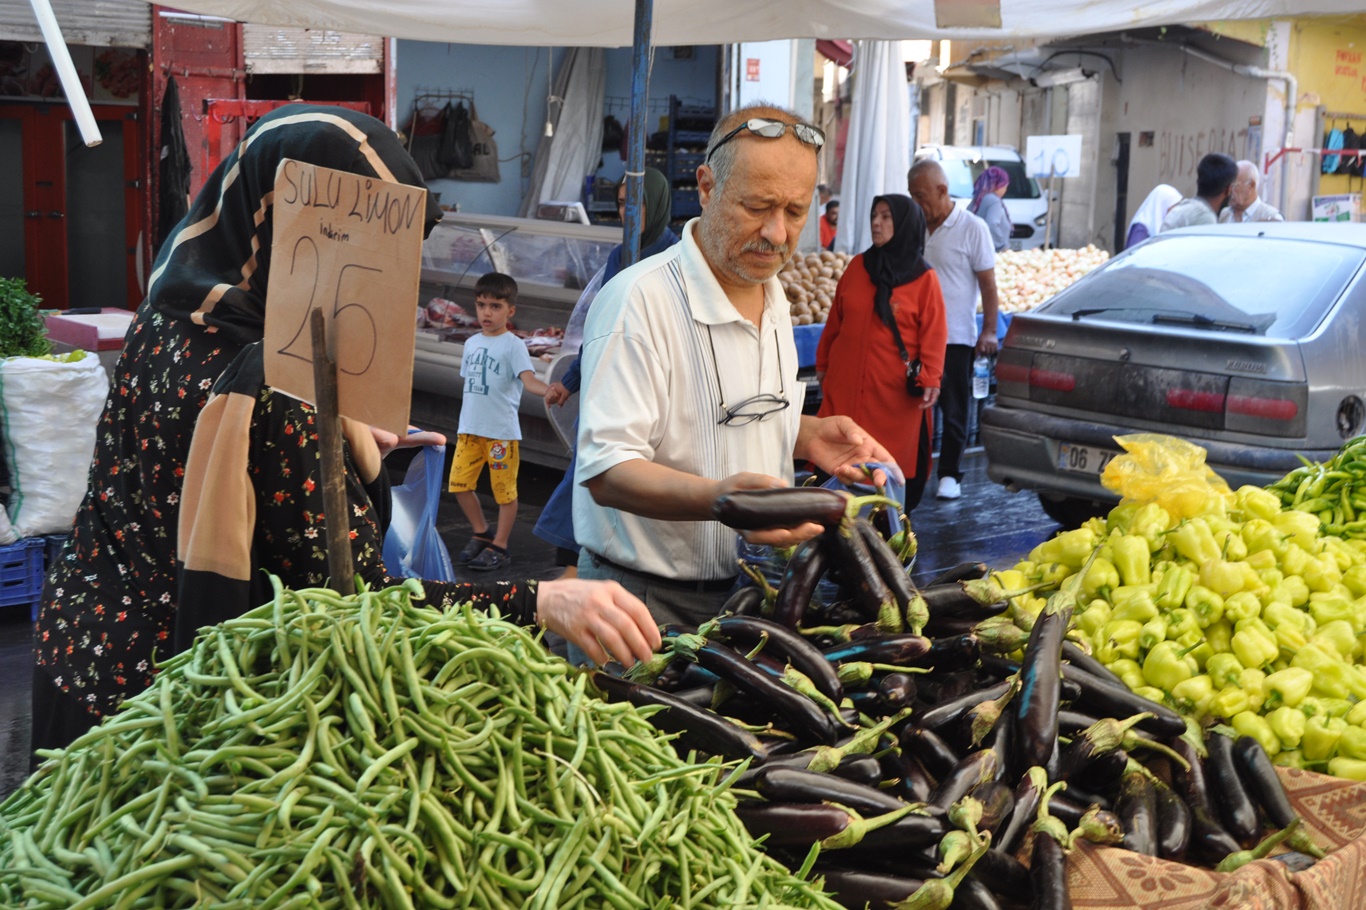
x: 917, y: 748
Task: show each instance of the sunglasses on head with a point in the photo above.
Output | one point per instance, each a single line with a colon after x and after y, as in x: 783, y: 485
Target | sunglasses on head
x: 772, y: 129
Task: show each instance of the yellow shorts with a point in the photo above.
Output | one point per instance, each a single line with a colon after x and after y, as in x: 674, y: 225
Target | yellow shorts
x: 472, y: 453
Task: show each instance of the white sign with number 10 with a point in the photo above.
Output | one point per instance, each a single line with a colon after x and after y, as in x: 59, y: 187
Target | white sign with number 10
x: 1053, y: 156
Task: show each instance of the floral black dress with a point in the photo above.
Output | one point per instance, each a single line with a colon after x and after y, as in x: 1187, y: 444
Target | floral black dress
x: 110, y: 600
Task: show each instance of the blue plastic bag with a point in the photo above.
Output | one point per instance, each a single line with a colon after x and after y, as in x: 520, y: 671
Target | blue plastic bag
x: 412, y: 547
x: 771, y: 565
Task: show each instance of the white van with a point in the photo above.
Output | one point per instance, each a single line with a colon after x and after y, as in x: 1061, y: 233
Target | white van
x: 1026, y: 203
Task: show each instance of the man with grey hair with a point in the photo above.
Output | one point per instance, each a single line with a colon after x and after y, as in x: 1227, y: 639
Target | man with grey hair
x: 960, y: 250
x: 1244, y: 206
x: 690, y: 384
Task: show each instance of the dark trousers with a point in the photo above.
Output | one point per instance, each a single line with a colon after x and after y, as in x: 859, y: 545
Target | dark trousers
x: 915, y: 486
x: 955, y: 397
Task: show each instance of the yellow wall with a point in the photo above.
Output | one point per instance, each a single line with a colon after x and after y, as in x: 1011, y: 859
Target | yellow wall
x: 1328, y: 56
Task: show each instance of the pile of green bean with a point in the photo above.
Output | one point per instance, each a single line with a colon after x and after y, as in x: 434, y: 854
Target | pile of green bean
x: 1334, y: 490
x: 363, y: 751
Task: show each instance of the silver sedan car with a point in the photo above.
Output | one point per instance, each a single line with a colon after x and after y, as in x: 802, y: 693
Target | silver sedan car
x: 1244, y: 339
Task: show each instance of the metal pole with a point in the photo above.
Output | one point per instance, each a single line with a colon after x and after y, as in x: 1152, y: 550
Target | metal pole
x: 1048, y: 212
x: 635, y: 152
x: 66, y: 72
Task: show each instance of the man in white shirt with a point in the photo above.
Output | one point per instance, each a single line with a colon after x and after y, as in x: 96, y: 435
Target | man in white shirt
x: 690, y: 380
x: 960, y: 250
x: 1244, y: 206
x: 1214, y: 177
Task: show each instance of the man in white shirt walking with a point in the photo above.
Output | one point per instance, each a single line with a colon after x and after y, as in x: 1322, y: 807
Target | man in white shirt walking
x: 960, y: 251
x: 1244, y: 206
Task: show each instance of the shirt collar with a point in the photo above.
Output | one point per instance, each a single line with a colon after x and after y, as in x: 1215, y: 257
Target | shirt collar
x: 952, y: 220
x: 706, y: 298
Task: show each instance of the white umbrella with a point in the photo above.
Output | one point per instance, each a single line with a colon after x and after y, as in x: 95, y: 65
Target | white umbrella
x: 877, y: 152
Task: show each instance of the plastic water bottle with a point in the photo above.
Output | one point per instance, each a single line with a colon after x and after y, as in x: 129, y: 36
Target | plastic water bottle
x: 981, y: 377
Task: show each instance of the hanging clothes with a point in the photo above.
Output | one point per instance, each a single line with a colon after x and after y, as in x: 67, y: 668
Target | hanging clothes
x: 173, y: 171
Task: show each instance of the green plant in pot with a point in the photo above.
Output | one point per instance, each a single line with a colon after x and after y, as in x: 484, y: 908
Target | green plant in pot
x: 22, y: 330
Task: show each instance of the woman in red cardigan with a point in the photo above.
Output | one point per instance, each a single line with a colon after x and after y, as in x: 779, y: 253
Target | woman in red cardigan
x: 887, y: 320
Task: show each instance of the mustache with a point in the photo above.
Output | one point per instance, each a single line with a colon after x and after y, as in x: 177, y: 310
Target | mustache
x: 763, y: 246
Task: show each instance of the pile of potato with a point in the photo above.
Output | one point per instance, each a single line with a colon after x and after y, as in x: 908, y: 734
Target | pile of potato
x: 1026, y: 278
x: 809, y: 282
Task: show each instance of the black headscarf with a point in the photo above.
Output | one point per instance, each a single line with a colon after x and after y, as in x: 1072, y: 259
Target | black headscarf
x: 213, y: 269
x: 900, y: 260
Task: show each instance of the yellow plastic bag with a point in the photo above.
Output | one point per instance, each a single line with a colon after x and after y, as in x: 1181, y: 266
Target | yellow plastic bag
x: 1168, y: 471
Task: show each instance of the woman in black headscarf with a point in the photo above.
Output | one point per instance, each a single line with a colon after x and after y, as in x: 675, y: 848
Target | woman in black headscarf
x: 887, y: 321
x: 163, y: 543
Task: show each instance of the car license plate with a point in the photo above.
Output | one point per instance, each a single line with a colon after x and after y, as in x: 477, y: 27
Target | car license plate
x: 1083, y: 459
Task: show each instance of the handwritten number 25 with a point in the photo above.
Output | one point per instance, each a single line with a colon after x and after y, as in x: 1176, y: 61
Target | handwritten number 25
x: 360, y: 329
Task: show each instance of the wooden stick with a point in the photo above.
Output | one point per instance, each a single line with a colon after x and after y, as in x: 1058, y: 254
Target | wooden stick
x: 340, y: 564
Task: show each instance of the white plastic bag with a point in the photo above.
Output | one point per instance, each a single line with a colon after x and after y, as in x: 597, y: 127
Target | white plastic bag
x: 48, y: 411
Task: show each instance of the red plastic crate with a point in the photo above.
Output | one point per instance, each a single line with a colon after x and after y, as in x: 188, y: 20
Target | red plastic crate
x: 21, y: 572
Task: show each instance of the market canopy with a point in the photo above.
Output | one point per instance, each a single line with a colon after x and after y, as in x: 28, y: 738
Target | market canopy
x: 608, y: 23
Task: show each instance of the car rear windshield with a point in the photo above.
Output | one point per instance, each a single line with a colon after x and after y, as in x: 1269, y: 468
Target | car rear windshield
x: 962, y: 173
x: 1275, y: 288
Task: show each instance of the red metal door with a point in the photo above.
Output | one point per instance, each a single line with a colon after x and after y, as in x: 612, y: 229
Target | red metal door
x: 50, y: 159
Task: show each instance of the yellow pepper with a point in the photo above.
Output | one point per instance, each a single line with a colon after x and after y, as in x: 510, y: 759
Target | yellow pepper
x: 1226, y: 578
x: 1256, y: 502
x: 1253, y: 682
x: 1095, y: 616
x: 1292, y: 590
x: 1295, y: 560
x: 1152, y: 693
x: 1100, y: 579
x: 1288, y: 687
x: 1231, y: 544
x: 1301, y: 527
x: 1150, y: 521
x: 1288, y: 725
x: 1173, y: 586
x: 1340, y: 636
x: 1347, y: 768
x: 1352, y: 742
x: 1355, y: 579
x: 1242, y: 605
x: 1264, y: 561
x: 1194, y: 695
x: 1262, y: 537
x: 1254, y: 645
x: 1329, y: 606
x: 1118, y: 638
x: 1224, y: 669
x: 1331, y: 678
x: 1289, y: 625
x: 1165, y: 666
x: 1229, y: 701
x: 1341, y: 554
x: 1289, y: 758
x: 1321, y: 734
x: 1254, y: 725
x: 1322, y: 574
x: 1357, y: 716
x: 1070, y: 548
x: 1153, y: 631
x: 1207, y: 606
x: 1130, y: 672
x: 1134, y: 602
x: 1194, y: 540
x: 1220, y: 635
x: 1133, y: 559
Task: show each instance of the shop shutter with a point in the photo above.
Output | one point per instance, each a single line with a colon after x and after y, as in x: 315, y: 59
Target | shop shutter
x: 101, y: 23
x: 273, y: 49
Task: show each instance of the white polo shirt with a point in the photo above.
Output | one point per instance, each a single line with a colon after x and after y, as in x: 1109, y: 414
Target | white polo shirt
x: 650, y: 391
x: 957, y: 250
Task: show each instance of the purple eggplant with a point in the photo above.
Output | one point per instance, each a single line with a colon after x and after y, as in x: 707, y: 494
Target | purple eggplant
x: 796, y: 786
x: 804, y: 656
x: 782, y: 507
x: 697, y: 728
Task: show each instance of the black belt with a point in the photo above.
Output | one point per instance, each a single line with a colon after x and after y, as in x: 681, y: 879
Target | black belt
x: 701, y: 585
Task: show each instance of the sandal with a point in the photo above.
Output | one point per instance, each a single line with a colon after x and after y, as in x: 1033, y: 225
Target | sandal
x: 493, y: 557
x: 472, y: 549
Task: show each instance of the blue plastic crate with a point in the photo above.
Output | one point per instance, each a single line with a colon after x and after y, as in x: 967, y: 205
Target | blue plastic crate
x: 52, y: 549
x: 21, y: 573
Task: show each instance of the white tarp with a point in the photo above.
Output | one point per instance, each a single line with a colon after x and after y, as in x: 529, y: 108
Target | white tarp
x: 877, y: 152
x: 575, y: 147
x: 608, y: 23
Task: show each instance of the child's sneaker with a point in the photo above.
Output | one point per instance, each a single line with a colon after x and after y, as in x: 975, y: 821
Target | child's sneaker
x: 472, y: 549
x: 492, y: 557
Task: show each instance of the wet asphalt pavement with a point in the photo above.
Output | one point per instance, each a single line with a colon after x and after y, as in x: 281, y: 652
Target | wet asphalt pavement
x: 987, y: 525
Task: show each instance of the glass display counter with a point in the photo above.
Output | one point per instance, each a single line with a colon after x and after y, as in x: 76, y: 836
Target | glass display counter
x: 551, y: 263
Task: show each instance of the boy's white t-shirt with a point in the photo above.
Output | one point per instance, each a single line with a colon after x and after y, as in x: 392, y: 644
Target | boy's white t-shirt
x: 492, y: 369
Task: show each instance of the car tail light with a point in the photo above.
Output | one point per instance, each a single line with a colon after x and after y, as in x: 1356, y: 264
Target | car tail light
x: 1268, y: 408
x: 1193, y: 400
x: 1012, y: 373
x: 1052, y: 380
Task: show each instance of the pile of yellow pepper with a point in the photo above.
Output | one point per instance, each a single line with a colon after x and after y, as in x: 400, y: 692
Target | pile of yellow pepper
x: 1247, y: 614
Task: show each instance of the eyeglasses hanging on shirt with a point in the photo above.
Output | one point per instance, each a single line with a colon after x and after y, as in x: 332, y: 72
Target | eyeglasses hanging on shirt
x: 758, y: 406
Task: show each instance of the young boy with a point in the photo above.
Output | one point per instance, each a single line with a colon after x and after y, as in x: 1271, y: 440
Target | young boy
x: 495, y: 367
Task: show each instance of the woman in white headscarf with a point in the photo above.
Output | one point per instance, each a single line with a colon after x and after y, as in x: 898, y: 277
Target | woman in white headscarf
x: 1149, y: 216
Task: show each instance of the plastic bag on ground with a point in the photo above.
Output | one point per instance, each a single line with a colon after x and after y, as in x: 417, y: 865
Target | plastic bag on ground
x: 412, y: 547
x: 1168, y: 471
x: 49, y: 410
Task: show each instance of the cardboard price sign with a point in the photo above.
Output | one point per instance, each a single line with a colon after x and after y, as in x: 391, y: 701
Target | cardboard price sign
x: 350, y: 246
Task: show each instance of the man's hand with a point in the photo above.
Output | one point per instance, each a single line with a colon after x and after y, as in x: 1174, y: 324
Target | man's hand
x: 987, y: 343
x: 839, y: 446
x: 601, y: 617
x: 387, y: 441
x: 931, y: 398
x: 556, y: 395
x: 774, y: 537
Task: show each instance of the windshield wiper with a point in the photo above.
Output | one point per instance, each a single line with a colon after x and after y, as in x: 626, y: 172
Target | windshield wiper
x: 1203, y: 322
x: 1092, y: 311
